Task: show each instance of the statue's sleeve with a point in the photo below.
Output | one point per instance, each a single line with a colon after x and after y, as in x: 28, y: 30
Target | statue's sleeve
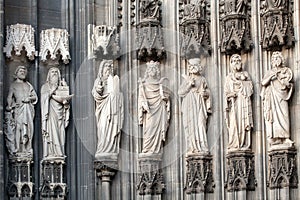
x: 45, y: 98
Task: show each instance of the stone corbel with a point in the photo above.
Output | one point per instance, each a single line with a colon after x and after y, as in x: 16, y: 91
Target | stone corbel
x: 20, y: 37
x: 103, y: 41
x: 54, y: 42
x: 235, y: 26
x: 194, y: 26
x: 277, y: 25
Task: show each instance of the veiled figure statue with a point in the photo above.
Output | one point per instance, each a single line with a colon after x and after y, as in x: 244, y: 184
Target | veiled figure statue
x: 196, y: 105
x: 20, y: 115
x: 239, y: 120
x: 154, y: 109
x: 109, y: 110
x: 55, y: 114
x: 276, y: 91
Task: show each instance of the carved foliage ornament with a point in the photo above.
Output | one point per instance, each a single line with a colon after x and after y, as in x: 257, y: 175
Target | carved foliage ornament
x: 235, y: 26
x: 199, y: 176
x: 53, y: 42
x: 194, y: 25
x: 149, y: 41
x: 277, y: 25
x: 19, y: 37
x: 283, y: 169
x: 240, y: 171
x: 105, y: 40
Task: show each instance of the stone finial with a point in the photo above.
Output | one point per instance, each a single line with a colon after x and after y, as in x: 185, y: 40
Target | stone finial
x: 54, y: 41
x: 20, y: 37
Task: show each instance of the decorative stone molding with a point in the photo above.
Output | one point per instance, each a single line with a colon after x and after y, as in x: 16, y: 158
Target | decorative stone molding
x: 20, y: 37
x: 53, y: 42
x: 151, y: 177
x: 199, y: 176
x: 103, y: 41
x: 235, y: 26
x: 52, y: 179
x: 194, y: 25
x: 282, y: 170
x: 149, y: 41
x: 240, y: 171
x: 276, y: 24
x: 106, y: 169
x: 20, y: 178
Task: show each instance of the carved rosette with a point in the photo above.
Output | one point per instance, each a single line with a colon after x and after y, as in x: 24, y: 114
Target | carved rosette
x: 277, y: 24
x: 235, y: 26
x: 104, y: 41
x: 149, y: 34
x: 150, y: 177
x: 199, y: 176
x: 54, y: 42
x: 19, y: 37
x: 283, y: 169
x: 106, y: 170
x: 240, y: 171
x: 53, y: 179
x: 194, y: 26
x: 20, y: 178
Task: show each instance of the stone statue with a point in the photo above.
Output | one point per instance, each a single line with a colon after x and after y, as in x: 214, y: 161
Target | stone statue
x: 150, y: 9
x: 276, y: 91
x: 20, y: 114
x: 109, y: 109
x: 194, y: 9
x: 238, y: 90
x: 196, y: 105
x: 55, y: 114
x: 236, y: 6
x: 154, y: 109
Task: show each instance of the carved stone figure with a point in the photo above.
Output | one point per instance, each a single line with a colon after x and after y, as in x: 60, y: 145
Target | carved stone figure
x: 109, y: 109
x: 154, y: 109
x: 150, y: 9
x: 277, y: 90
x: 20, y: 114
x: 238, y: 91
x: 55, y: 114
x: 196, y: 105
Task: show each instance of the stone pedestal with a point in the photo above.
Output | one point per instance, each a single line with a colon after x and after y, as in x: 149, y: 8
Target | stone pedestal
x: 52, y: 179
x: 240, y: 174
x: 106, y: 169
x: 282, y: 172
x: 20, y: 186
x: 199, y: 176
x: 150, y: 184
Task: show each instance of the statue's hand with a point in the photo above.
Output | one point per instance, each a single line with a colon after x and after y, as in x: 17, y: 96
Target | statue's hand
x: 26, y: 100
x: 145, y: 106
x: 99, y: 89
x: 9, y: 108
x: 205, y: 94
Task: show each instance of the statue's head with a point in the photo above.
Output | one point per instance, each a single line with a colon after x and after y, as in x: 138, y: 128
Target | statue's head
x: 236, y: 62
x: 277, y: 59
x: 194, y: 66
x: 21, y: 72
x: 105, y: 69
x: 152, y: 70
x: 53, y: 76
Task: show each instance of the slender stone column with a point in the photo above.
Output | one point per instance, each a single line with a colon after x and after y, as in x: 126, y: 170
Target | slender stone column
x: 106, y: 170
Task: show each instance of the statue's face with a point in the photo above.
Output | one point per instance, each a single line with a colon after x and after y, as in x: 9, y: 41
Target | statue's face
x: 276, y: 60
x: 21, y: 73
x: 152, y: 72
x: 236, y: 63
x: 106, y: 71
x: 54, y: 73
x: 194, y: 69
